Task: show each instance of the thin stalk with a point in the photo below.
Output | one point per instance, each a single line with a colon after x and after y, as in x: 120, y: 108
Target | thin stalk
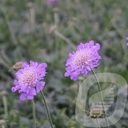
x: 5, y: 105
x: 2, y: 57
x: 12, y: 34
x: 5, y: 58
x: 48, y: 114
x: 98, y: 123
x: 32, y: 18
x: 56, y: 18
x: 64, y: 38
x: 34, y: 113
x: 99, y: 87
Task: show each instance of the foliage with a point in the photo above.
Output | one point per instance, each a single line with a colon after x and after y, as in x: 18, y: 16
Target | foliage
x: 26, y: 35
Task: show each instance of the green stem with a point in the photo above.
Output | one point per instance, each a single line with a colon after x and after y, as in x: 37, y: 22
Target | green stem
x: 12, y: 34
x: 48, y: 114
x: 56, y: 18
x: 64, y: 38
x: 5, y: 106
x: 34, y: 113
x: 32, y: 18
x: 99, y: 87
x: 98, y: 123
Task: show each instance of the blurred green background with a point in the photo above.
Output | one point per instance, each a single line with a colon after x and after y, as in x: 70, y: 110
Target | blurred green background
x: 34, y: 30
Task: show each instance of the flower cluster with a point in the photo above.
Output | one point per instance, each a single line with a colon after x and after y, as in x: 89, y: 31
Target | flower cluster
x: 28, y: 80
x: 29, y: 77
x: 83, y: 60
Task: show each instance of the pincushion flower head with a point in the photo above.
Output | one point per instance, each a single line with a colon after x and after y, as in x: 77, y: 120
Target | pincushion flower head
x: 28, y: 80
x: 83, y: 60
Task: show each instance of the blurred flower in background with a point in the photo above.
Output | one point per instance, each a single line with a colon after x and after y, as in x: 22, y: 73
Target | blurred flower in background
x: 126, y: 41
x: 83, y: 60
x: 52, y: 2
x: 28, y: 80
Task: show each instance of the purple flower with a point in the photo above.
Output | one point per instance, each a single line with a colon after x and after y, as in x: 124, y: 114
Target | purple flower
x: 126, y: 41
x: 83, y: 60
x: 52, y: 2
x: 28, y: 80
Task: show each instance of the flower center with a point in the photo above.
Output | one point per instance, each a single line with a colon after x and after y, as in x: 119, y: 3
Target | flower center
x: 80, y: 59
x: 29, y: 77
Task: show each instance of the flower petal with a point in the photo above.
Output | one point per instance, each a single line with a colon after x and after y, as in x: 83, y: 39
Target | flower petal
x: 23, y: 96
x: 25, y: 65
x: 30, y: 97
x: 33, y: 64
x: 40, y: 86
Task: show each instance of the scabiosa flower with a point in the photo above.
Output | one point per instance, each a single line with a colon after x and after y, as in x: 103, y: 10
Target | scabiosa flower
x: 52, y: 2
x: 28, y: 80
x: 83, y: 60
